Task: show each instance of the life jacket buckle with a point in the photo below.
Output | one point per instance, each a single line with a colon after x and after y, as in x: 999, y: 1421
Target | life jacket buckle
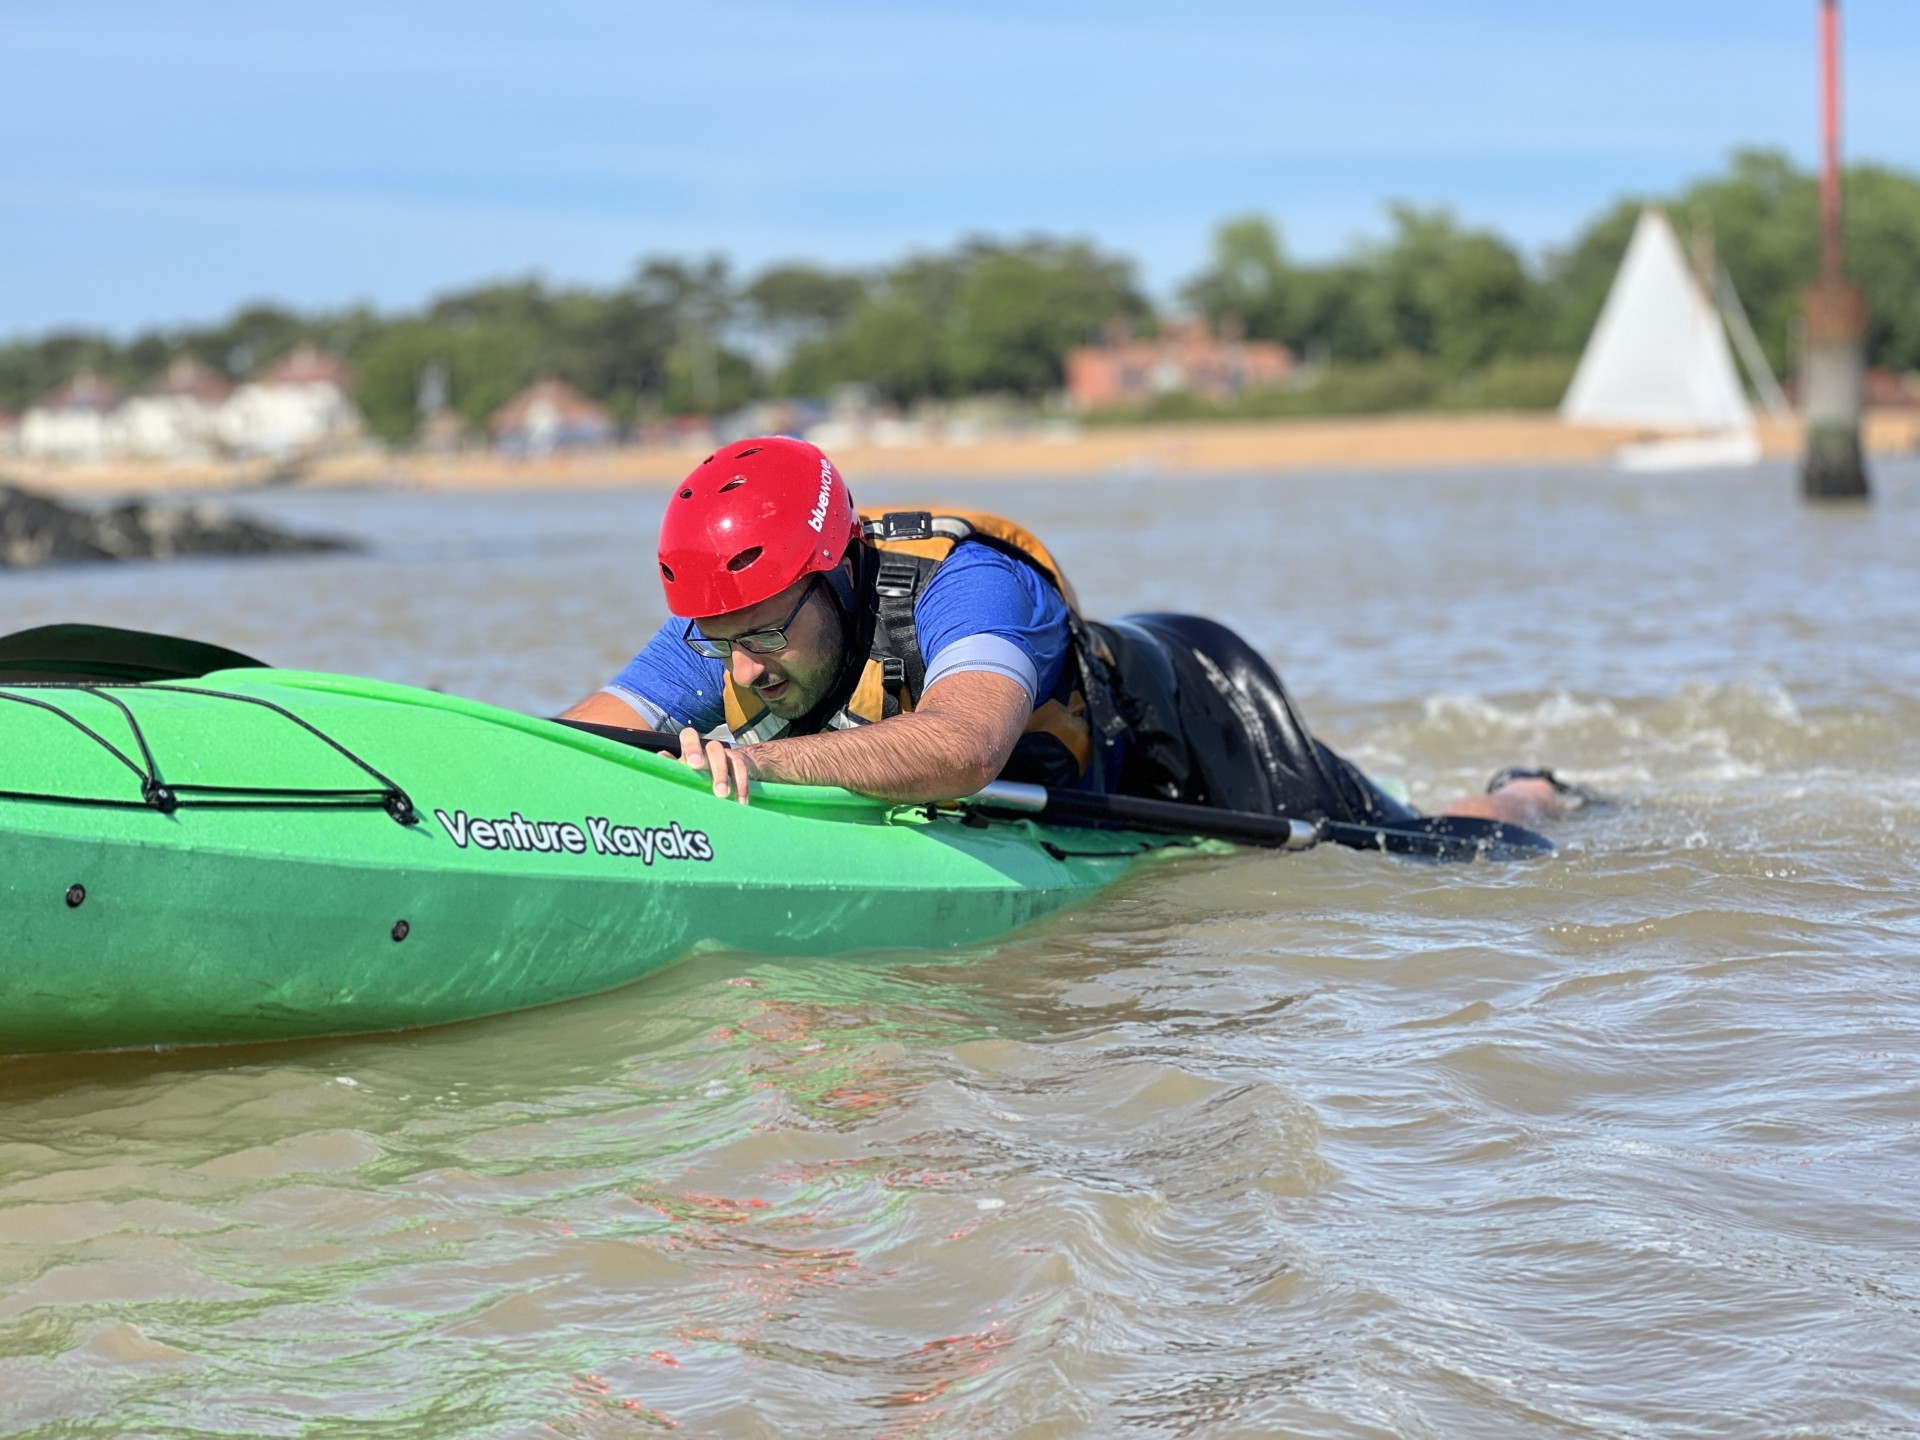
x: 901, y: 525
x: 897, y: 579
x: 893, y: 671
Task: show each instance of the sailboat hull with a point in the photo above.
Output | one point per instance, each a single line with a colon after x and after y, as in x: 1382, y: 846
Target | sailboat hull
x: 1732, y: 450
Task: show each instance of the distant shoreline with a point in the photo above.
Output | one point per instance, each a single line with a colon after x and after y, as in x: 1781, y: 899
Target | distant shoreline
x: 1197, y: 448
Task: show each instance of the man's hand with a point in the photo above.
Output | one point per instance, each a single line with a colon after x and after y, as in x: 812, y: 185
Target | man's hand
x: 732, y: 769
x: 957, y: 741
x: 1523, y: 802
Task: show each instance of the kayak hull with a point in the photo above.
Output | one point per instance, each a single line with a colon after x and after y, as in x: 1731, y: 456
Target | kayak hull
x: 282, y: 898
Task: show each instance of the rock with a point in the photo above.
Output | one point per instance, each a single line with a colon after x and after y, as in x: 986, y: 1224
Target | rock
x: 35, y: 530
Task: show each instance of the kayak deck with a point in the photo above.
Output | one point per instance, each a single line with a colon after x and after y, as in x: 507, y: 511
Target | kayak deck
x: 264, y: 854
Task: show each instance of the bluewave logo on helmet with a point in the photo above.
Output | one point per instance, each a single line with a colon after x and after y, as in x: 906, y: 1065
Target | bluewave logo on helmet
x: 818, y: 518
x: 562, y: 837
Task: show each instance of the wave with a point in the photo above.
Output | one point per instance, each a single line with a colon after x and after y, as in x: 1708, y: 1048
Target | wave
x: 1702, y: 734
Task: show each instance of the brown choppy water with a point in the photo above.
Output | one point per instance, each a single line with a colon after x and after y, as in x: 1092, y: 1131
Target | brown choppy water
x: 1620, y: 1144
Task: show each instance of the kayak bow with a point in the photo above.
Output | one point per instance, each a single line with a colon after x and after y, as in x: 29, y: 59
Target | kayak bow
x: 260, y: 854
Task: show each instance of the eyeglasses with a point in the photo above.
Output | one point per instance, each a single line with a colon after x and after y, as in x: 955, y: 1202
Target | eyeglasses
x: 761, y: 642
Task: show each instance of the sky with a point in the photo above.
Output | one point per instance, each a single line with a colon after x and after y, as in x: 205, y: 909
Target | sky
x: 169, y: 163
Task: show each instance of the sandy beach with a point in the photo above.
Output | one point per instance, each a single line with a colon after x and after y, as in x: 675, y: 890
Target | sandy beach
x: 1374, y: 442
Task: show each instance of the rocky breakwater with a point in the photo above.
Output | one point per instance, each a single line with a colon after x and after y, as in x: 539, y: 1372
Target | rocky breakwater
x: 35, y: 530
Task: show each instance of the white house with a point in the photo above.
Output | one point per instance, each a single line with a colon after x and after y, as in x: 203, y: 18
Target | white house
x: 178, y: 416
x: 76, y: 422
x: 303, y: 403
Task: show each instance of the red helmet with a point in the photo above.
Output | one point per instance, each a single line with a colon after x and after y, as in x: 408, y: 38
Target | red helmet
x: 751, y: 519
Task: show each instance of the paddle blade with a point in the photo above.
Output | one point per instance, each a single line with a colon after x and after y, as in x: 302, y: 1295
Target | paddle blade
x: 66, y: 653
x: 1443, y: 837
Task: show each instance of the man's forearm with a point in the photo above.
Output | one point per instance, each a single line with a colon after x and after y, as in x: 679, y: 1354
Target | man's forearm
x: 953, y: 744
x: 909, y: 758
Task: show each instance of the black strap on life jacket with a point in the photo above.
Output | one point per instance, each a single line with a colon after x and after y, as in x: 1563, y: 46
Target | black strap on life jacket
x: 900, y: 580
x: 897, y: 585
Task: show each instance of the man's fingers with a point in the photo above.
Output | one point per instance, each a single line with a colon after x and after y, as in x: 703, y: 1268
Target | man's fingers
x: 691, y: 750
x: 724, y: 762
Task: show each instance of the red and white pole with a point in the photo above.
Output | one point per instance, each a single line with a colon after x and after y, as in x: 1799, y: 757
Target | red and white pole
x: 1832, y: 261
x: 1833, y: 358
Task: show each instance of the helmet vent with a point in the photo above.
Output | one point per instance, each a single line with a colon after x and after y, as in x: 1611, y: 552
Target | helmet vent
x: 687, y: 494
x: 744, y: 559
x: 666, y: 572
x: 734, y: 484
x: 754, y: 450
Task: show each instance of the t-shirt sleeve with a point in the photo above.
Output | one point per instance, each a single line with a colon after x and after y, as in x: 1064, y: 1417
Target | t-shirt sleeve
x: 987, y: 611
x: 670, y: 686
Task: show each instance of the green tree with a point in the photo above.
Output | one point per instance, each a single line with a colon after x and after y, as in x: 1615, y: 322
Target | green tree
x: 792, y: 303
x: 696, y: 303
x: 1432, y: 288
x: 1248, y: 279
x: 1020, y: 311
x: 1343, y: 313
x: 1460, y: 296
x: 895, y: 342
x: 891, y: 344
x: 1883, y: 239
x: 713, y: 383
x: 985, y: 316
x: 389, y: 376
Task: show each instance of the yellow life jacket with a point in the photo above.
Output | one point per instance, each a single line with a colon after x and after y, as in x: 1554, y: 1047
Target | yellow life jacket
x: 908, y: 546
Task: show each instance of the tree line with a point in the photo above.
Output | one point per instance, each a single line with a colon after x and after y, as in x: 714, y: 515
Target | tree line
x: 1435, y: 313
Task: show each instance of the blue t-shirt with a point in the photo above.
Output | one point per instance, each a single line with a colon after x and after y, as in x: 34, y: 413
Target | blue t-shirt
x: 982, y: 610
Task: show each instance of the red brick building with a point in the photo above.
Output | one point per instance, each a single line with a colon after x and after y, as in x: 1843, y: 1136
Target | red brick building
x: 1185, y: 358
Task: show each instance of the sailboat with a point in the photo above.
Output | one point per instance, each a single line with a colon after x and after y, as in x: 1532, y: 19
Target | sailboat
x: 1658, y: 360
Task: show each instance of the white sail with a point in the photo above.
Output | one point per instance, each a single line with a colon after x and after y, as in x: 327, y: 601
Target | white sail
x: 1658, y: 356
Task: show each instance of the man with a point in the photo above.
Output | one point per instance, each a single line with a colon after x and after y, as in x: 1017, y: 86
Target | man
x: 917, y: 657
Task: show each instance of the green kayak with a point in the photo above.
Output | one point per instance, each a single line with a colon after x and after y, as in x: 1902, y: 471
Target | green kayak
x: 258, y: 854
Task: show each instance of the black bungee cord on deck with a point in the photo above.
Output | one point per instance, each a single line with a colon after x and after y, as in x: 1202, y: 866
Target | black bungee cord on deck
x: 157, y: 793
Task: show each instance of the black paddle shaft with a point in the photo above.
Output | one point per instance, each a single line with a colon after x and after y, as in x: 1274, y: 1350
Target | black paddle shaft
x: 657, y: 741
x: 1438, y: 837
